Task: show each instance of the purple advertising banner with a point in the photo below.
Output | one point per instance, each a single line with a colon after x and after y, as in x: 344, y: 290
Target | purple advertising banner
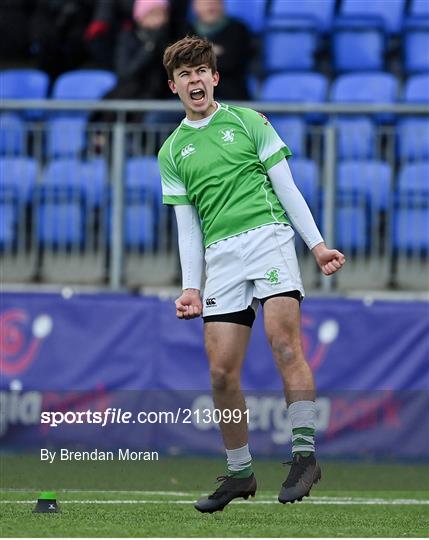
x: 370, y: 361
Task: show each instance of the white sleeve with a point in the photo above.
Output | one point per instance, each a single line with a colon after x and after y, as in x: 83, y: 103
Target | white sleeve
x: 293, y: 202
x: 190, y: 246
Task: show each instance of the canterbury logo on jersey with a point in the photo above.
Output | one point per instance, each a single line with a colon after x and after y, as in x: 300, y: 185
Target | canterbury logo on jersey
x: 187, y: 150
x: 210, y: 302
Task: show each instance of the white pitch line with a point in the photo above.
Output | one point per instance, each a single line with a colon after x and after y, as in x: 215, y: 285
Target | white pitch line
x: 314, y: 501
x: 265, y: 496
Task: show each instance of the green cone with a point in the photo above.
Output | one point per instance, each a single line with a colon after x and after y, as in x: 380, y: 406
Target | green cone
x: 46, y: 503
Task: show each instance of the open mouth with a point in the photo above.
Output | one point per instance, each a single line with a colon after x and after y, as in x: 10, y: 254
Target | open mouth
x: 197, y: 94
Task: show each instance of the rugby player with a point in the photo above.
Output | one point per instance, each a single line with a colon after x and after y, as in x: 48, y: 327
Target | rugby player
x: 224, y: 171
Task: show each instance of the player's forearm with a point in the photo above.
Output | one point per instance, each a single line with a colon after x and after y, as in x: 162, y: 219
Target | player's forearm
x: 294, y: 203
x: 190, y: 246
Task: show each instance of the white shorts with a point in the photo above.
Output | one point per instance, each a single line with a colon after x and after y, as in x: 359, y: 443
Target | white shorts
x: 249, y: 266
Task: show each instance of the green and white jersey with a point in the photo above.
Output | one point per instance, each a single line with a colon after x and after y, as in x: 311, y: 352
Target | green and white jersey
x: 221, y: 169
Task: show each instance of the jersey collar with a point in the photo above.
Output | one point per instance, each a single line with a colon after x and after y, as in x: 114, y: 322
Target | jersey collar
x: 203, y: 122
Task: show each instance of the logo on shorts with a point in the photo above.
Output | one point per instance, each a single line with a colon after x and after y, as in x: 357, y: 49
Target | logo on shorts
x: 210, y: 302
x: 272, y: 276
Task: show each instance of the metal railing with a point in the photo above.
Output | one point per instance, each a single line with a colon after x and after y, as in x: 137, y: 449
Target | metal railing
x: 128, y: 239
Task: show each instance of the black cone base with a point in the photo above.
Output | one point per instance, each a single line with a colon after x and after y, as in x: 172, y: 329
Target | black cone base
x: 46, y: 506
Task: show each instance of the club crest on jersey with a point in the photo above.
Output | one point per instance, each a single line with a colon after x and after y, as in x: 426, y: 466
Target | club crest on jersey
x: 227, y: 135
x: 187, y: 150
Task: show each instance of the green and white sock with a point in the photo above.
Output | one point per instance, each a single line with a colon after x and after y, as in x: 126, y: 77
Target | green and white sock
x: 302, y: 415
x: 239, y: 462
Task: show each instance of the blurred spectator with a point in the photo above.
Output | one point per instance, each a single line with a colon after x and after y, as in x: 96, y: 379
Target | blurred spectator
x: 15, y: 17
x: 179, y: 10
x: 232, y: 45
x: 138, y: 56
x: 102, y: 32
x: 139, y: 51
x: 57, y: 30
x: 110, y: 16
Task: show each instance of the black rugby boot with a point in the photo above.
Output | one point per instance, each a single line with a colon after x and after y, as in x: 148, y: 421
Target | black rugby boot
x: 304, y: 472
x: 231, y: 488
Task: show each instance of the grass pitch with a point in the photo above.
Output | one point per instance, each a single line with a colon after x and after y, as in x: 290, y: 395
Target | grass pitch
x: 394, y: 503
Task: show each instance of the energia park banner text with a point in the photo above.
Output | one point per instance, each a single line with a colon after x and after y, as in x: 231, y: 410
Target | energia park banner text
x: 127, y: 353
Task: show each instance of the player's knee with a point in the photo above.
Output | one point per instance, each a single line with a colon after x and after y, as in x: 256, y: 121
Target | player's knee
x: 223, y: 379
x: 285, y: 353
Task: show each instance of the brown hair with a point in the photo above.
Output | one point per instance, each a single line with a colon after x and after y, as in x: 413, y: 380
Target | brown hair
x: 189, y: 51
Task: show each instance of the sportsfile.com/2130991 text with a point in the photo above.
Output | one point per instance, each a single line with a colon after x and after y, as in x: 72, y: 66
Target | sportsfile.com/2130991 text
x: 112, y: 415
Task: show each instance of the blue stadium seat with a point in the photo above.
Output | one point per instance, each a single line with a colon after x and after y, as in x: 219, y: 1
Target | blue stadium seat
x: 413, y: 179
x: 410, y: 229
x: 139, y: 219
x: 143, y: 171
x: 65, y: 137
x: 417, y: 89
x: 355, y: 138
x: 411, y: 210
x: 291, y: 130
x: 12, y: 134
x: 351, y: 229
x: 306, y: 177
x: 322, y: 11
x: 391, y: 11
x: 83, y: 84
x: 366, y: 88
x: 144, y: 195
x: 364, y: 183
x: 8, y: 224
x: 419, y: 7
x: 95, y: 178
x: 9, y: 204
x: 416, y: 45
x: 295, y: 87
x: 253, y: 86
x: 252, y: 13
x: 61, y: 224
x: 365, y: 37
x: 290, y: 45
x: 23, y: 84
x: 413, y: 139
x: 79, y: 178
x: 142, y: 175
x: 19, y: 173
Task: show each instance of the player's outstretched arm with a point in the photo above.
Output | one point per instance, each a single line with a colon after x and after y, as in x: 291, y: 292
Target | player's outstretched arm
x: 329, y: 260
x: 294, y: 203
x: 188, y: 305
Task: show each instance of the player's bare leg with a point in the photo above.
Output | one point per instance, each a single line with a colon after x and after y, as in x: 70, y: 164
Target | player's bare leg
x: 282, y: 319
x: 226, y: 345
